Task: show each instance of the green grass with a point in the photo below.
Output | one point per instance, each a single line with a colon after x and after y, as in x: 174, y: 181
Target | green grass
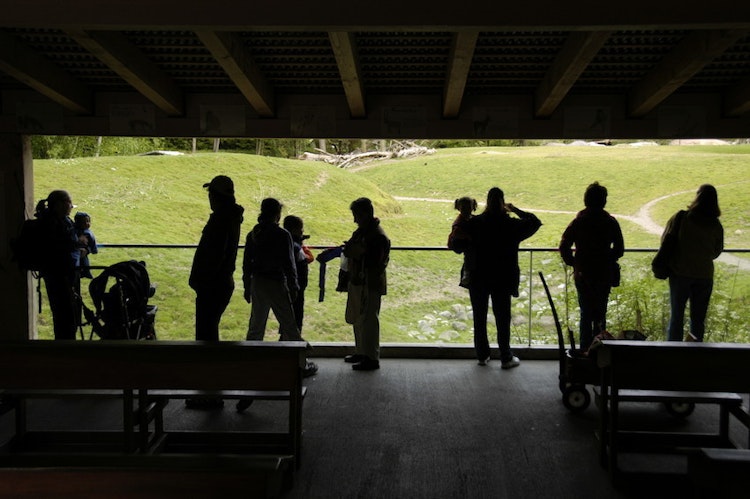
x: 153, y: 199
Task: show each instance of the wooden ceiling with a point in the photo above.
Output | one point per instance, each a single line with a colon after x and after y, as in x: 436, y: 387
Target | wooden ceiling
x: 386, y: 69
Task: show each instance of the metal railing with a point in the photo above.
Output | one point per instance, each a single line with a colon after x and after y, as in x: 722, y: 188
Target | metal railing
x: 426, y: 305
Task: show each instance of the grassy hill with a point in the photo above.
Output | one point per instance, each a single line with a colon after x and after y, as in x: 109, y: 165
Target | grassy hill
x: 160, y: 199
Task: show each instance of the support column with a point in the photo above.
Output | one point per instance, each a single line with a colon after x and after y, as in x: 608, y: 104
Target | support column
x: 18, y: 301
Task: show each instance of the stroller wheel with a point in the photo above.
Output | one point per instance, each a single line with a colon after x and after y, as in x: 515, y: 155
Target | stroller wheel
x: 576, y: 398
x: 680, y: 409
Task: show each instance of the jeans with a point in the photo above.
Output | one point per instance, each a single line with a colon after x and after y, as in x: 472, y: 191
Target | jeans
x: 479, y: 296
x: 592, y: 301
x: 698, y: 291
x: 266, y: 295
x: 62, y: 304
x: 209, y: 306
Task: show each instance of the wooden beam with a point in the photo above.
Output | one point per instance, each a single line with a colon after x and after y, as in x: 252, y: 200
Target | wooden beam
x: 692, y: 54
x: 30, y: 68
x: 344, y: 48
x: 459, y: 62
x: 338, y: 15
x: 229, y: 51
x: 125, y: 59
x: 737, y: 99
x: 576, y: 54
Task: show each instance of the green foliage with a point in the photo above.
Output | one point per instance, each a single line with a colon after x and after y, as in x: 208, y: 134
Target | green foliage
x: 159, y: 199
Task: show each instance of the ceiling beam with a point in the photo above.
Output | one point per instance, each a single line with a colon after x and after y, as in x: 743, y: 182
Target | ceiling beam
x: 737, y: 99
x: 338, y: 15
x: 344, y: 48
x: 692, y: 54
x: 574, y: 57
x: 125, y: 59
x: 459, y: 62
x: 229, y: 51
x: 32, y: 69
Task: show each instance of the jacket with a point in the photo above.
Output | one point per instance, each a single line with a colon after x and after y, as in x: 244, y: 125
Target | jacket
x: 269, y: 252
x: 494, y: 243
x: 215, y: 258
x: 599, y: 244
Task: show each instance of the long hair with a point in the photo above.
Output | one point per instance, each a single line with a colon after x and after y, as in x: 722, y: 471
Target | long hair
x: 706, y: 202
x: 495, y: 202
x: 46, y: 206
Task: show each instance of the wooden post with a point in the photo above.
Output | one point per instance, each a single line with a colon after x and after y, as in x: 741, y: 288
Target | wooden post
x: 18, y: 306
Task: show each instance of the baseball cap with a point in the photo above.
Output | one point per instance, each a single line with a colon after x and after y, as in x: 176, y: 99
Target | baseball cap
x: 221, y: 184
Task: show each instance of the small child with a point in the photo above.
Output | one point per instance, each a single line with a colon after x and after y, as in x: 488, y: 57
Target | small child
x: 459, y: 238
x: 303, y: 257
x: 86, y: 242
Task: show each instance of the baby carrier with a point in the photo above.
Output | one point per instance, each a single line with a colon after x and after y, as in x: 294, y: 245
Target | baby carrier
x: 120, y: 295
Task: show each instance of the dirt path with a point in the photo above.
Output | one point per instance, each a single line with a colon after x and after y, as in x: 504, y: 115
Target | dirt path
x: 642, y: 219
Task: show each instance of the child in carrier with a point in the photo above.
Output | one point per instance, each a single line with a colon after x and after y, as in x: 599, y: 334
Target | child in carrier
x: 86, y: 242
x: 459, y: 239
x: 302, y: 257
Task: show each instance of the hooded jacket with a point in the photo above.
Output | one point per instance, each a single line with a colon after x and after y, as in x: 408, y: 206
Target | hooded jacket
x: 269, y: 252
x: 215, y: 257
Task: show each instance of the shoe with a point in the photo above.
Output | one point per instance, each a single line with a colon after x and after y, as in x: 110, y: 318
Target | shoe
x: 367, y: 364
x: 310, y: 369
x: 511, y: 363
x: 483, y: 362
x: 243, y: 404
x: 204, y: 403
x: 354, y: 358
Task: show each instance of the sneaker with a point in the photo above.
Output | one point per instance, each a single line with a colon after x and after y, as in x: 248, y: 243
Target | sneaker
x: 483, y: 362
x: 367, y: 364
x: 310, y: 369
x: 511, y: 363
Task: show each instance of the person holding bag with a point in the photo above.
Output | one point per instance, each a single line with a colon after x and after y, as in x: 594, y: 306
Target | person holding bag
x: 698, y: 239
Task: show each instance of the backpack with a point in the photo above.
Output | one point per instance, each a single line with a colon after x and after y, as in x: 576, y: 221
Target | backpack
x: 122, y: 309
x: 28, y: 249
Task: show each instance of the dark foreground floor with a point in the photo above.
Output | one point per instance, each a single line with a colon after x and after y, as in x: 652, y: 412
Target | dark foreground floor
x: 420, y: 428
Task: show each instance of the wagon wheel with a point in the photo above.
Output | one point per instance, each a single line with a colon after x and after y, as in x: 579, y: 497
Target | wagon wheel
x: 576, y: 398
x: 680, y: 409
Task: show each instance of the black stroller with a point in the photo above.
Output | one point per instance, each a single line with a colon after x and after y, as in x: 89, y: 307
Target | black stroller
x: 122, y: 309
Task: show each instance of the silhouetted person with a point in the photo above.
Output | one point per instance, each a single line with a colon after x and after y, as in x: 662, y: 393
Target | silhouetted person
x: 86, y: 242
x: 459, y: 239
x: 367, y: 252
x: 598, y: 243
x: 700, y: 240
x: 269, y: 273
x: 212, y: 274
x: 495, y: 237
x: 58, y: 266
x: 302, y: 258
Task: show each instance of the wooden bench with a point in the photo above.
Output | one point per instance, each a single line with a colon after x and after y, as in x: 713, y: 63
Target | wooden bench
x: 144, y: 375
x: 667, y: 372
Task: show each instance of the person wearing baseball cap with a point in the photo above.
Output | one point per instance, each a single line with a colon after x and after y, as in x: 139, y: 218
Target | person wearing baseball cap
x: 212, y: 274
x: 221, y: 185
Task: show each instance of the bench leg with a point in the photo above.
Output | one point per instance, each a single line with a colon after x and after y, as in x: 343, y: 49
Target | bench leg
x: 128, y: 421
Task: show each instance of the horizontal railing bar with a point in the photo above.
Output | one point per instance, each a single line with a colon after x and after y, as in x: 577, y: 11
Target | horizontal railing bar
x: 396, y: 248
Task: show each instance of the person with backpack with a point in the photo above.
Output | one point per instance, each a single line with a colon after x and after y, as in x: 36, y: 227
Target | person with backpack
x: 212, y: 273
x: 58, y: 257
